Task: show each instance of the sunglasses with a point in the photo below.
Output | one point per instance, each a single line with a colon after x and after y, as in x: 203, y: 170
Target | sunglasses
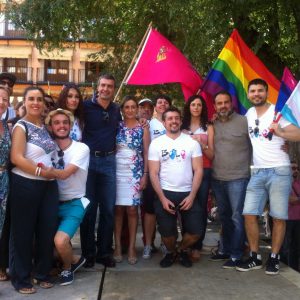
x: 256, y: 129
x: 6, y: 82
x: 294, y: 168
x: 105, y: 116
x: 60, y: 163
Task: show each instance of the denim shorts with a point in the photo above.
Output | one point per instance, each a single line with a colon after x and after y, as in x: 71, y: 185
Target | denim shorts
x: 70, y: 215
x: 167, y: 223
x: 273, y: 184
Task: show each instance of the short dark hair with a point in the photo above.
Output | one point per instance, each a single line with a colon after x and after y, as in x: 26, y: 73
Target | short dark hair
x: 223, y: 92
x: 107, y: 76
x: 170, y: 109
x: 258, y: 81
x: 161, y: 96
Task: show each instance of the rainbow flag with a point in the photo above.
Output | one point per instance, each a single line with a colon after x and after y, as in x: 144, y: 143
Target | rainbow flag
x: 234, y: 68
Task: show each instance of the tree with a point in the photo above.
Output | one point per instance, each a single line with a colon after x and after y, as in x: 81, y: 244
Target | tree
x: 199, y: 28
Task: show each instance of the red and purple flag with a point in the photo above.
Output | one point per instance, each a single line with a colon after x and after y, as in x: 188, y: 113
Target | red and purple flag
x: 161, y: 62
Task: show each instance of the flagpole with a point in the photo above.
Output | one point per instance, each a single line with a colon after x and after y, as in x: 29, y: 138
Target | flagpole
x: 133, y: 59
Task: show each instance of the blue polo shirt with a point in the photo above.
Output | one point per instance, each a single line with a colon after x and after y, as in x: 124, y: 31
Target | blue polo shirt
x: 100, y: 127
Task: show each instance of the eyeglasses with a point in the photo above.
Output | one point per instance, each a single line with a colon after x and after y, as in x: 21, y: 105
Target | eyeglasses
x: 256, y: 129
x: 60, y: 163
x: 294, y: 168
x: 6, y: 82
x: 105, y: 116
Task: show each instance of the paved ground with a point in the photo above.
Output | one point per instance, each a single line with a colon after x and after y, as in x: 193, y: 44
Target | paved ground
x: 146, y: 280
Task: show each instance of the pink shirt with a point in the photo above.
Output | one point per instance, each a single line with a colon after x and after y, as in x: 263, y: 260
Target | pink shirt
x: 294, y: 209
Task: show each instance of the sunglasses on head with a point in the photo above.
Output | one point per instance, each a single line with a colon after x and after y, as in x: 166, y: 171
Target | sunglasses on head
x: 6, y: 82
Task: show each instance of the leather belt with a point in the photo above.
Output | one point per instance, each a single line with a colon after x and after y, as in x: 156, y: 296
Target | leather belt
x: 103, y: 153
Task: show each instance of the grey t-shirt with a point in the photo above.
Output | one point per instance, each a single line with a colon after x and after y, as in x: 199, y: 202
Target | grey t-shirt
x: 233, y: 149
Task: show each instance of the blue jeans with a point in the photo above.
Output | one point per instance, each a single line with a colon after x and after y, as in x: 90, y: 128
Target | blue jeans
x: 101, y: 191
x: 230, y: 196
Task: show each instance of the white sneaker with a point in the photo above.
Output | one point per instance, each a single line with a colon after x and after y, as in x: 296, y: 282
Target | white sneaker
x: 147, y: 252
x: 163, y: 249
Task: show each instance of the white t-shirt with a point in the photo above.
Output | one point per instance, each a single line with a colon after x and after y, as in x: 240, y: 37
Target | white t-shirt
x: 73, y: 187
x: 266, y: 153
x: 156, y: 129
x: 175, y: 157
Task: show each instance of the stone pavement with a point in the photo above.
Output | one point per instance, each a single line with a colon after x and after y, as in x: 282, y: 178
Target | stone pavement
x: 146, y: 280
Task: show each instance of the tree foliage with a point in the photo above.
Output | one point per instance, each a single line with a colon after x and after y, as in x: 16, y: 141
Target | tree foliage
x: 199, y: 28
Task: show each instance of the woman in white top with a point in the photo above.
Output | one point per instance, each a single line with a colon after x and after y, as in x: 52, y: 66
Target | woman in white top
x: 33, y: 197
x: 70, y: 98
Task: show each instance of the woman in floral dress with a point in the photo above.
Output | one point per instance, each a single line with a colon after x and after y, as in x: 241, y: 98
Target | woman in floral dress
x: 132, y: 174
x: 5, y: 143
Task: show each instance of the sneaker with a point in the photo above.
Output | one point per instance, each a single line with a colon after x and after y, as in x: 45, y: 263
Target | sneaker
x: 184, y: 259
x: 168, y: 260
x: 219, y: 257
x: 78, y: 265
x: 147, y: 252
x: 66, y: 277
x: 272, y: 265
x: 231, y: 264
x: 252, y: 263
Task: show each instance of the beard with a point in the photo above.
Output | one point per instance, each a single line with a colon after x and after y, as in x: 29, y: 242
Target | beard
x: 262, y: 103
x: 225, y: 115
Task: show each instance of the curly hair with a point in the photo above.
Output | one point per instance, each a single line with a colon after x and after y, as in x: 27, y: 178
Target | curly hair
x: 62, y: 102
x: 186, y: 121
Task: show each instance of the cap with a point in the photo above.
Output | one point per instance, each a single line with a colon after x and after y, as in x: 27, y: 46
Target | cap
x: 11, y: 77
x: 145, y: 100
x: 59, y: 111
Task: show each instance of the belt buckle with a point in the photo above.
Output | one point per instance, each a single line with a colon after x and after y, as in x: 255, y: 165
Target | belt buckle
x: 97, y: 153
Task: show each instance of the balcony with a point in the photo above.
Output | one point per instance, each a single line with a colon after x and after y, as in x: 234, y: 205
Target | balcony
x: 23, y: 74
x: 8, y: 31
x: 57, y: 76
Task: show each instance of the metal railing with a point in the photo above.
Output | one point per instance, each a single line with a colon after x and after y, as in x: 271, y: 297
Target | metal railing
x: 8, y: 30
x: 23, y: 74
x: 55, y: 75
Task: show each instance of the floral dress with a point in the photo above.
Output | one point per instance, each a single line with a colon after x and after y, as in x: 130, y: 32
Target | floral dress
x: 5, y: 143
x: 130, y: 164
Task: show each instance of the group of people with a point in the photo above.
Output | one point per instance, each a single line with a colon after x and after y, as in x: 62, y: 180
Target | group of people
x: 71, y: 158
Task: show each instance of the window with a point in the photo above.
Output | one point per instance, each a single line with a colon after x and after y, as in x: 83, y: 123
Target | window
x: 92, y: 71
x: 16, y: 66
x: 57, y: 70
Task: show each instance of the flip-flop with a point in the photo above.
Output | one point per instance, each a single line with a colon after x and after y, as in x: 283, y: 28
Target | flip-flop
x: 132, y: 260
x: 27, y: 291
x: 3, y: 276
x: 44, y: 284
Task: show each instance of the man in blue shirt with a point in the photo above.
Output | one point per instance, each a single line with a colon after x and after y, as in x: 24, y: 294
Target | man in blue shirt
x: 102, y: 116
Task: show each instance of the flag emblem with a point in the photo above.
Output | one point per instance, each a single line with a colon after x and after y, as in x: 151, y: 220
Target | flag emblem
x: 162, y: 54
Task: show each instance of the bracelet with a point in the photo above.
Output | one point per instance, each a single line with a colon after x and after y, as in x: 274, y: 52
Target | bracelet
x: 146, y: 172
x: 36, y: 171
x: 39, y: 172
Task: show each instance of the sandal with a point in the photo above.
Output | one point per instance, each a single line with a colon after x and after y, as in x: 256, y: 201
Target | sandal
x: 27, y: 291
x: 118, y: 258
x: 3, y: 275
x: 132, y: 260
x: 44, y: 284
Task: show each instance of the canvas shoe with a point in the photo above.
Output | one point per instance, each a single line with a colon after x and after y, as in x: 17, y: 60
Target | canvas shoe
x: 147, y: 252
x: 219, y: 257
x: 254, y: 262
x: 78, y: 265
x: 272, y: 265
x: 66, y: 277
x: 168, y: 260
x: 184, y: 259
x: 231, y: 264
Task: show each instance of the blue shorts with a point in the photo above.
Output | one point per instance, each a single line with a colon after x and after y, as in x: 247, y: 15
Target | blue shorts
x: 70, y: 214
x: 273, y: 184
